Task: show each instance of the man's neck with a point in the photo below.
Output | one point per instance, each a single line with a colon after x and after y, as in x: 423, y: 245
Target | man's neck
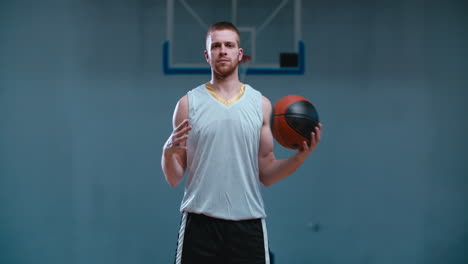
x: 228, y: 85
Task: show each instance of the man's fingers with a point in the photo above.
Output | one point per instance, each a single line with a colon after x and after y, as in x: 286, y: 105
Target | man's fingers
x: 182, y: 125
x: 178, y: 140
x: 183, y: 131
x: 319, y: 131
x: 305, y: 147
x: 315, y: 135
x: 313, y: 139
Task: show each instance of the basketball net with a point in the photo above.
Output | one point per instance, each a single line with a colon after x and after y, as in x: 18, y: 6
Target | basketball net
x: 244, y: 66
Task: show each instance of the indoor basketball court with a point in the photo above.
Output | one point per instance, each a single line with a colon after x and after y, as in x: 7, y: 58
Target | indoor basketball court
x: 92, y: 94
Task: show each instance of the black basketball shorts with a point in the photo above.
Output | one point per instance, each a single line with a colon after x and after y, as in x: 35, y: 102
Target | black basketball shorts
x: 208, y: 240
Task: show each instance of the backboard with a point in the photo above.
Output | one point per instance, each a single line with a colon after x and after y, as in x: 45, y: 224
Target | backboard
x: 270, y: 34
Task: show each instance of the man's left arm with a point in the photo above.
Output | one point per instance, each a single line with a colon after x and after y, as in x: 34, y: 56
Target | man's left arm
x: 271, y: 169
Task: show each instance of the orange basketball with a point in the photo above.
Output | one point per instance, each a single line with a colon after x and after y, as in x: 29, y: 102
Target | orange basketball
x: 293, y: 119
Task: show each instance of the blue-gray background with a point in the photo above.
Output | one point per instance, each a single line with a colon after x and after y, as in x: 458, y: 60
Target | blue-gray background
x: 85, y: 110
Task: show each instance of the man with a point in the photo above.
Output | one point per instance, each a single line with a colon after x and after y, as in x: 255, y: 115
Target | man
x: 222, y: 137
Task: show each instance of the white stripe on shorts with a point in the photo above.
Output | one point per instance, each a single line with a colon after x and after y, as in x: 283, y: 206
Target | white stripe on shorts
x: 265, y: 242
x: 180, y: 241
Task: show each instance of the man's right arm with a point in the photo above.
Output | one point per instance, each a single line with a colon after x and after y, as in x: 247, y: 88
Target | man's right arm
x: 174, y: 154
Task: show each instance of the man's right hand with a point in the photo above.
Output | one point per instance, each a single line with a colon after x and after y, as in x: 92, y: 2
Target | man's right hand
x: 176, y: 143
x: 174, y: 153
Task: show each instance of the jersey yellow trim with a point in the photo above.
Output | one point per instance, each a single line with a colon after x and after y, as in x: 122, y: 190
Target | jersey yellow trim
x: 228, y: 102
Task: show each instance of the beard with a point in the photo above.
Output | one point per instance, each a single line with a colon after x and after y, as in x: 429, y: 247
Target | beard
x: 226, y: 69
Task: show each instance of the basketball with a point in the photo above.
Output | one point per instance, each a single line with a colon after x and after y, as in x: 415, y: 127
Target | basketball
x: 293, y: 119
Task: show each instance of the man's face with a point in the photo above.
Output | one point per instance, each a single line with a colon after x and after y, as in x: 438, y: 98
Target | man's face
x: 222, y: 51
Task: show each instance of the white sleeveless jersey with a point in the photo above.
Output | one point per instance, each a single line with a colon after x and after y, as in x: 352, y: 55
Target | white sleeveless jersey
x: 222, y: 157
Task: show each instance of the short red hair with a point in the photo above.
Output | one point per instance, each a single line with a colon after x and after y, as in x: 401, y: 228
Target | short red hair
x: 221, y: 26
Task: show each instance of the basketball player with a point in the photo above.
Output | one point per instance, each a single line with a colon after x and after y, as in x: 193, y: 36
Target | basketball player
x: 222, y: 137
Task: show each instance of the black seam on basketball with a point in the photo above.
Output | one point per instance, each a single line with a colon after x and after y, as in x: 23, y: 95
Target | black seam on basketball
x: 302, y: 133
x: 297, y: 115
x: 299, y: 132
